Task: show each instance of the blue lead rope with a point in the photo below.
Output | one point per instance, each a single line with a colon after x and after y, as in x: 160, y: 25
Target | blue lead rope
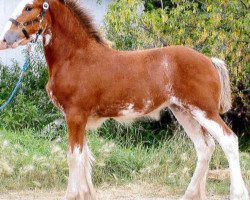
x: 24, y: 69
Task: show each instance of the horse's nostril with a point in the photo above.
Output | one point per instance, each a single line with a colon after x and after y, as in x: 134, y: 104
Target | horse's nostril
x: 4, y: 40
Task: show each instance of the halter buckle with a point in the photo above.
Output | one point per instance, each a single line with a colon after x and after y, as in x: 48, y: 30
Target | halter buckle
x: 45, y: 6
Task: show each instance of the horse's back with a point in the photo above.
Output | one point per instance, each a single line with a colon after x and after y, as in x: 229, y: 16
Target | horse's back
x: 183, y: 73
x: 148, y: 79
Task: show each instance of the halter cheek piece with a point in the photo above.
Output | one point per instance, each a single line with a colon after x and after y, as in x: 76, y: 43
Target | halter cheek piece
x: 39, y: 19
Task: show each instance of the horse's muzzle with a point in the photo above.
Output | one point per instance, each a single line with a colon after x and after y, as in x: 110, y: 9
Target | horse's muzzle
x: 11, y: 37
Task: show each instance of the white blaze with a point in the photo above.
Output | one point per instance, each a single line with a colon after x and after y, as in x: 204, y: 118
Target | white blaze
x: 17, y: 12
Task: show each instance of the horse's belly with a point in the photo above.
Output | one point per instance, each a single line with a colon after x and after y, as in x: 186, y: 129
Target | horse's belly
x: 127, y: 116
x: 94, y: 123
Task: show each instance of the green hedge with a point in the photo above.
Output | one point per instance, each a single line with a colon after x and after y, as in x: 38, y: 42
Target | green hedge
x: 31, y: 108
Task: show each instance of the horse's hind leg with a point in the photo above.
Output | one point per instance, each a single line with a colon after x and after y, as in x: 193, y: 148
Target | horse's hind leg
x: 204, y: 145
x: 229, y: 143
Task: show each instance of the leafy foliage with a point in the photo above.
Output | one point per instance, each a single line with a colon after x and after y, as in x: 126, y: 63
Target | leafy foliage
x: 31, y: 108
x: 216, y: 28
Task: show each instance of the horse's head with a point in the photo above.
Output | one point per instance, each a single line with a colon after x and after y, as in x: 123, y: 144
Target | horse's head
x: 30, y: 18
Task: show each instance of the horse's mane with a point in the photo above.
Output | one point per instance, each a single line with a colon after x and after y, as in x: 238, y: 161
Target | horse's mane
x: 85, y: 19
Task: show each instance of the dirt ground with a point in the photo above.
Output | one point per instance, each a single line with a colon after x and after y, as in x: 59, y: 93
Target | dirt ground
x: 129, y: 192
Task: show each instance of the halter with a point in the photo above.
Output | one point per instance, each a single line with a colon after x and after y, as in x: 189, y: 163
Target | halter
x: 39, y: 19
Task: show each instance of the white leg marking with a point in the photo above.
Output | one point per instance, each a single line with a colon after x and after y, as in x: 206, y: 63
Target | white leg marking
x: 229, y: 144
x: 80, y: 184
x: 204, y: 145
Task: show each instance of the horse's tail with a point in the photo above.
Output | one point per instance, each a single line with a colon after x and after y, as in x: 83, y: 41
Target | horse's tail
x: 225, y: 95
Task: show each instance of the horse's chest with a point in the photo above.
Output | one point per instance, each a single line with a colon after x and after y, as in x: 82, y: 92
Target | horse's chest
x: 54, y: 98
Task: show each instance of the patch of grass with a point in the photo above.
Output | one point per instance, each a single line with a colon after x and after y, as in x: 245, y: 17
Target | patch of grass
x: 30, y: 162
x: 27, y: 161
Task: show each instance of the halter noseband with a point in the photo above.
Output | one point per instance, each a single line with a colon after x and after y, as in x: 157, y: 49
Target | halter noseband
x: 39, y: 19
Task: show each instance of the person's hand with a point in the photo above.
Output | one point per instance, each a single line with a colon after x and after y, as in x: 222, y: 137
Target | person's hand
x: 3, y: 45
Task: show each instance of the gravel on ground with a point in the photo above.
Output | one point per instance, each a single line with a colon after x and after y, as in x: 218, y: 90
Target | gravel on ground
x: 128, y: 192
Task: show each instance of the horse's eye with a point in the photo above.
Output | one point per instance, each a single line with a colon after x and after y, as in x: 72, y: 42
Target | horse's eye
x: 28, y: 8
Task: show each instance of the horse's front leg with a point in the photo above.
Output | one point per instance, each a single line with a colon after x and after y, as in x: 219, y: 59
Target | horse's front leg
x: 80, y: 186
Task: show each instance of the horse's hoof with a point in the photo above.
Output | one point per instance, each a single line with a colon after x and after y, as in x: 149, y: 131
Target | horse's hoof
x: 85, y: 196
x: 71, y: 195
x: 240, y: 194
x: 192, y: 197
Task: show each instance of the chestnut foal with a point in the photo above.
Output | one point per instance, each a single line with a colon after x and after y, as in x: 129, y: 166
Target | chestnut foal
x: 90, y: 82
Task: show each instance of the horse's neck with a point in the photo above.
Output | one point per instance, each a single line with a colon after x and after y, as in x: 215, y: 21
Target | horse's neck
x: 67, y: 37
